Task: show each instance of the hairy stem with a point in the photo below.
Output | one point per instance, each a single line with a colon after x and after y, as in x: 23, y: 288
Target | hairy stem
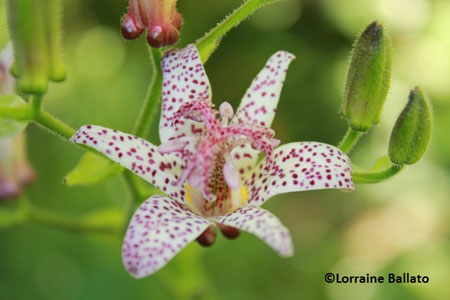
x: 209, y: 42
x: 35, y: 106
x: 350, y: 139
x: 375, y: 177
x: 22, y: 112
x: 153, y: 98
x: 54, y: 125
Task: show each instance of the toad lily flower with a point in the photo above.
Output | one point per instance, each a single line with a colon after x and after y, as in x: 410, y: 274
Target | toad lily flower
x: 209, y: 167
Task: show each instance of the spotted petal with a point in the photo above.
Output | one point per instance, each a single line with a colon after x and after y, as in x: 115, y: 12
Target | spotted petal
x: 184, y: 80
x: 263, y: 224
x: 244, y: 159
x: 261, y: 99
x: 259, y: 104
x: 298, y: 167
x: 135, y: 154
x: 159, y: 229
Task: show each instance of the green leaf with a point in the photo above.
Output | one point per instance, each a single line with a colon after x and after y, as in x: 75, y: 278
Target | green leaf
x: 92, y: 169
x: 9, y: 127
x: 382, y: 163
x: 10, y: 217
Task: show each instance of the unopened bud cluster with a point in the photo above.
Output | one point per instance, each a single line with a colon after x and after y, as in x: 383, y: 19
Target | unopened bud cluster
x: 159, y: 17
x: 366, y: 90
x: 35, y: 30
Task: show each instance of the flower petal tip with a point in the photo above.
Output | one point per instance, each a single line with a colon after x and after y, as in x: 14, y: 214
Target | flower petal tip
x: 286, y: 54
x: 288, y: 253
x: 158, y: 230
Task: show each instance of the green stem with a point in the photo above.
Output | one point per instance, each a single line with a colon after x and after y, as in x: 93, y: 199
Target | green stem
x: 54, y: 125
x: 153, y: 97
x: 350, y: 139
x: 47, y: 218
x: 36, y: 101
x: 35, y: 113
x: 22, y: 112
x: 375, y: 177
x: 207, y: 44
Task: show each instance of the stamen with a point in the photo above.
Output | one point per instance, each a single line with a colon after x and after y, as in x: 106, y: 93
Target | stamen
x: 199, y: 111
x: 226, y: 112
x: 231, y: 175
x: 209, y: 168
x: 195, y: 179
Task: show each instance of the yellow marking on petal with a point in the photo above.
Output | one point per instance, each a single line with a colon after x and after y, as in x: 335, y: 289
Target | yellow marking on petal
x: 188, y: 194
x: 244, y: 195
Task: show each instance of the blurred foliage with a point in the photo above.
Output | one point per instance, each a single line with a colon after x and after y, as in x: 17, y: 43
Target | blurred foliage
x: 398, y: 226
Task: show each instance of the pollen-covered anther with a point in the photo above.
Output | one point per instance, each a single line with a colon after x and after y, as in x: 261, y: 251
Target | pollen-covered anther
x: 226, y: 112
x: 231, y: 175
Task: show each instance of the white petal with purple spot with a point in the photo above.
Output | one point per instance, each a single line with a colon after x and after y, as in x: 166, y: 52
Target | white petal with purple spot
x: 244, y: 159
x: 264, y: 225
x: 184, y: 80
x: 299, y: 167
x: 159, y: 229
x: 137, y: 155
x: 261, y: 99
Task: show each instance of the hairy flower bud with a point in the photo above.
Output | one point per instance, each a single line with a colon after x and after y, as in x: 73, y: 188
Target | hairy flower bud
x: 52, y: 17
x: 159, y: 17
x: 368, y: 78
x: 412, y: 131
x: 208, y: 237
x: 35, y: 31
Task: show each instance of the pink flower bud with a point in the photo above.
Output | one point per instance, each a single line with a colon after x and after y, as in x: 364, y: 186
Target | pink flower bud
x: 159, y: 17
x: 15, y: 170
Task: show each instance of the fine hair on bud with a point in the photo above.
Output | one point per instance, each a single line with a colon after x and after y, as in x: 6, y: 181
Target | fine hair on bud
x: 368, y: 78
x: 412, y: 131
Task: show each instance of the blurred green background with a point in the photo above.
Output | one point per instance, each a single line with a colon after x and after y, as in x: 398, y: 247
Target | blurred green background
x: 398, y: 226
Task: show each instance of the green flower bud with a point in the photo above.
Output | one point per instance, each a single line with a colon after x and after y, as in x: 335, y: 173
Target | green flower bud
x: 35, y: 31
x: 412, y: 131
x: 368, y: 78
x: 52, y: 10
x: 27, y: 33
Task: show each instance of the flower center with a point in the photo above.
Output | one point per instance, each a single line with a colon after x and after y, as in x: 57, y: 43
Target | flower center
x: 214, y: 185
